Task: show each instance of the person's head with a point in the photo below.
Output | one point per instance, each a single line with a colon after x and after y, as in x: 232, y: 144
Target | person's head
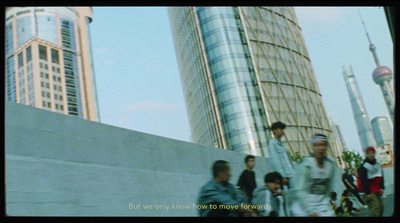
x: 333, y: 196
x: 221, y: 171
x: 346, y: 193
x: 346, y: 168
x: 250, y: 161
x: 370, y: 152
x: 277, y: 129
x: 354, y: 172
x: 273, y: 181
x: 320, y: 145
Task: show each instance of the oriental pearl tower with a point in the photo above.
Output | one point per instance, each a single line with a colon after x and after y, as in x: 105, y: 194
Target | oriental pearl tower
x: 382, y: 76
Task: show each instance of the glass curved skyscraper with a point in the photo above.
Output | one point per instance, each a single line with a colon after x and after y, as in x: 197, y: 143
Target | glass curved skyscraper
x: 49, y: 63
x: 243, y: 68
x: 361, y: 119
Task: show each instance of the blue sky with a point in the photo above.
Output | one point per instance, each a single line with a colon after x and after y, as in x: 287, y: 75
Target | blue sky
x: 138, y: 81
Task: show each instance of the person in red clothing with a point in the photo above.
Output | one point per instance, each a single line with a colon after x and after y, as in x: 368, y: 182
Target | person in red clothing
x: 370, y: 182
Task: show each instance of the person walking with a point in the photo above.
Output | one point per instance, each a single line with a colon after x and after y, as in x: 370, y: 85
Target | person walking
x: 371, y: 183
x: 313, y: 181
x: 247, y: 180
x: 348, y: 182
x: 280, y: 161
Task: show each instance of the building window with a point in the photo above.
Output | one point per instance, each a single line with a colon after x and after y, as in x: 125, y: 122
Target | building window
x: 54, y: 56
x: 42, y: 52
x: 28, y: 54
x: 9, y: 38
x: 20, y: 60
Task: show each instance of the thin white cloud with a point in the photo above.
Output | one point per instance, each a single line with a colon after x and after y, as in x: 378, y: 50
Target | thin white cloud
x: 151, y: 106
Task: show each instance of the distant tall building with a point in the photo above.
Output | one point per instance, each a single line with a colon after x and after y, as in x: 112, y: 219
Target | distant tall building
x: 382, y: 76
x: 242, y: 69
x: 361, y: 119
x: 382, y: 131
x: 49, y: 62
x: 338, y: 136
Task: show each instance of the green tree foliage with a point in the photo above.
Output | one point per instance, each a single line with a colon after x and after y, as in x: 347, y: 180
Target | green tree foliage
x: 353, y: 159
x: 296, y: 157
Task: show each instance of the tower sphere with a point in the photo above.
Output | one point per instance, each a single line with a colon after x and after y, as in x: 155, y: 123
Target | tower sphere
x: 372, y: 47
x: 382, y: 74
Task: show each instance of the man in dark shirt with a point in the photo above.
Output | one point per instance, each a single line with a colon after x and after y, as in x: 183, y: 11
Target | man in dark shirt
x: 348, y: 182
x: 219, y: 198
x: 247, y: 180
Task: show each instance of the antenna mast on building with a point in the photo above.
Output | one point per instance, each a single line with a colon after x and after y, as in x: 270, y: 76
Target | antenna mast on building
x: 382, y: 76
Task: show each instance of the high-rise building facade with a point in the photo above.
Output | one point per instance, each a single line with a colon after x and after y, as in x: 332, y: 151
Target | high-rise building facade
x: 361, y: 119
x: 242, y: 69
x: 338, y: 136
x: 382, y: 132
x: 49, y: 63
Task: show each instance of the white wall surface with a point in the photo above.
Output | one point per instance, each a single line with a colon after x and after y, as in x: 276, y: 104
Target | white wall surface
x: 58, y: 165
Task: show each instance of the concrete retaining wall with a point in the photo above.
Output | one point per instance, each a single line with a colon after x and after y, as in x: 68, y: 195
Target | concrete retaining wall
x: 63, y: 165
x: 58, y: 165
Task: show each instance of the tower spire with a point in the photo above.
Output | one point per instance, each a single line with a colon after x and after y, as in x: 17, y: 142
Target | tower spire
x: 381, y: 75
x: 372, y: 47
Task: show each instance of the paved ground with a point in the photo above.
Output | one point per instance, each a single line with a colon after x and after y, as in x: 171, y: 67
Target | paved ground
x: 388, y: 207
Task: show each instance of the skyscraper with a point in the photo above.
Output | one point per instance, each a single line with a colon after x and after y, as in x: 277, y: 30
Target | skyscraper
x: 49, y: 63
x: 382, y: 131
x: 243, y: 68
x: 361, y: 119
x: 338, y: 136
